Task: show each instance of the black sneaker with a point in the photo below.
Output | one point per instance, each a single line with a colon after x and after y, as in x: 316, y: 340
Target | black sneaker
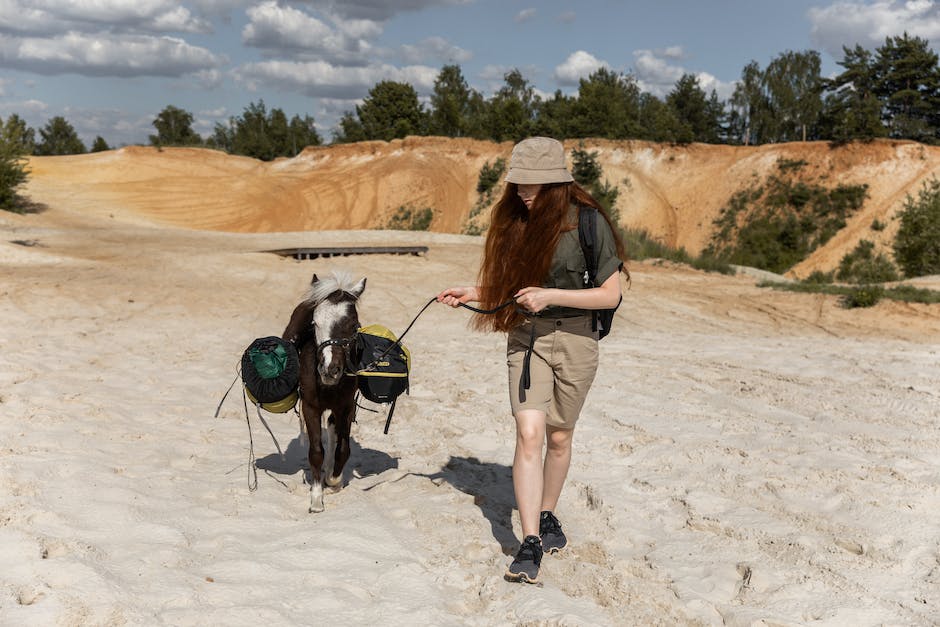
x: 553, y: 538
x: 525, y: 567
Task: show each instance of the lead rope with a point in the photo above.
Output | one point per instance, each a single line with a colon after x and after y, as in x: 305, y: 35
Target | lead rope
x: 252, y: 465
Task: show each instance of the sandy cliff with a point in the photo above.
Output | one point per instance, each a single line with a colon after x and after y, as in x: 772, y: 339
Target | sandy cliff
x: 675, y: 192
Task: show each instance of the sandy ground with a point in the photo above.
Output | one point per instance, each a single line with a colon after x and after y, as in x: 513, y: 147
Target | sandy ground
x: 746, y: 457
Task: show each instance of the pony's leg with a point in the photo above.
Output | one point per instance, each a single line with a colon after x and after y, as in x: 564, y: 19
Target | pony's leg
x: 312, y: 419
x: 302, y: 438
x: 342, y: 422
x: 329, y: 446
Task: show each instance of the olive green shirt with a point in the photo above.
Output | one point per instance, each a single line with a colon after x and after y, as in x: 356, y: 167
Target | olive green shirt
x: 568, y: 265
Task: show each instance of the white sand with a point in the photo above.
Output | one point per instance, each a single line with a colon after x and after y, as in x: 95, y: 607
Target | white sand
x: 746, y: 457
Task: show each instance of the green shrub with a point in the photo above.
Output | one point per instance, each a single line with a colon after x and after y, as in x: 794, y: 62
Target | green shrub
x: 862, y: 265
x: 917, y: 245
x: 863, y: 296
x: 777, y: 224
x: 818, y: 277
x: 786, y: 165
x: 490, y: 175
x: 13, y: 174
x: 641, y: 245
x: 409, y: 219
x: 877, y: 225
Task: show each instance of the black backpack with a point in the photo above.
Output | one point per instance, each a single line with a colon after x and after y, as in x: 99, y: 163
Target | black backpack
x: 601, y: 319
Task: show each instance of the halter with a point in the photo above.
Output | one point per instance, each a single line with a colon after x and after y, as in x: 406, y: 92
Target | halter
x: 346, y: 343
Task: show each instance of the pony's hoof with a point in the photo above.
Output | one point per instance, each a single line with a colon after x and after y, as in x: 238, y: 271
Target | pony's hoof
x: 316, y: 498
x: 336, y: 483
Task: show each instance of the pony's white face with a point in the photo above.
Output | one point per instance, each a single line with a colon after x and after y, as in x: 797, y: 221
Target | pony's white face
x: 330, y: 323
x: 335, y: 318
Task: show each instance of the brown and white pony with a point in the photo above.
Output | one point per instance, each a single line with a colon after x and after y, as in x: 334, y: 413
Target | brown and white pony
x: 323, y: 328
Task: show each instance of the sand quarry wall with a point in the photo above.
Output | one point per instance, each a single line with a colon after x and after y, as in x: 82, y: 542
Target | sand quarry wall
x: 674, y: 192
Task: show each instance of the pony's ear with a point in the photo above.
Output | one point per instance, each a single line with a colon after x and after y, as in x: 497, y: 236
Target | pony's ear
x: 314, y: 279
x: 359, y: 288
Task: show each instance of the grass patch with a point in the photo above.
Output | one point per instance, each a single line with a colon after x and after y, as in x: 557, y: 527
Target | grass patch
x: 640, y: 245
x: 860, y: 295
x: 410, y: 219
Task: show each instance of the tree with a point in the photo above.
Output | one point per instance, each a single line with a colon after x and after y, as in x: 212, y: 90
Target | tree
x: 100, y: 145
x: 18, y: 134
x: 698, y: 116
x: 607, y: 106
x: 450, y: 103
x: 510, y: 112
x: 657, y: 121
x: 350, y: 130
x: 793, y: 87
x: 553, y: 116
x: 174, y: 128
x: 12, y: 164
x: 851, y: 110
x: 391, y: 111
x: 59, y: 138
x: 917, y: 244
x: 748, y: 106
x: 907, y: 82
x: 264, y: 134
x: 302, y: 132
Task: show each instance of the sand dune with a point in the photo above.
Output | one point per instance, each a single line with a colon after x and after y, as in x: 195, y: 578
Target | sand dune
x: 746, y: 457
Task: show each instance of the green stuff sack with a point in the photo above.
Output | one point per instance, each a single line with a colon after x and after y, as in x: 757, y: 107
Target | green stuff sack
x: 271, y: 373
x: 384, y: 364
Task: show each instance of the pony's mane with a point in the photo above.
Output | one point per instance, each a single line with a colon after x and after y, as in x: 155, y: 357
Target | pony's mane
x: 339, y: 281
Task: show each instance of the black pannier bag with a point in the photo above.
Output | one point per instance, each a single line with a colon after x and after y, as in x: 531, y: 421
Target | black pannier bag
x: 384, y: 365
x: 271, y: 373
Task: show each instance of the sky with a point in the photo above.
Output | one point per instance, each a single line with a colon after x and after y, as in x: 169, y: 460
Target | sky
x: 110, y: 66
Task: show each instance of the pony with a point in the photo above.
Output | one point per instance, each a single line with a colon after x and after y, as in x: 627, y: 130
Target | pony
x: 323, y: 328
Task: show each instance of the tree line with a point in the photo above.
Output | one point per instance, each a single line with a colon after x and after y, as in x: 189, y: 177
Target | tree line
x: 892, y: 91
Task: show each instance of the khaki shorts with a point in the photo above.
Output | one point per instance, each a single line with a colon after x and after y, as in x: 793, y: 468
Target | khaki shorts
x: 561, y: 369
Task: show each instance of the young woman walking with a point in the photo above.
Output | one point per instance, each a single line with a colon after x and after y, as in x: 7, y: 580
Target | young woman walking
x: 533, y: 255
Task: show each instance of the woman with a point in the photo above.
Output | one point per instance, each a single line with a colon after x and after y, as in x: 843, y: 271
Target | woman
x: 533, y: 256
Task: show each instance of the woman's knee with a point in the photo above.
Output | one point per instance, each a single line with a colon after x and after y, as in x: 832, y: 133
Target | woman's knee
x: 559, y: 440
x: 530, y: 428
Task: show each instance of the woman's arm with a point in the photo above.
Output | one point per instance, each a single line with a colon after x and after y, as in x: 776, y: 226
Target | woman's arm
x: 606, y: 296
x: 455, y: 296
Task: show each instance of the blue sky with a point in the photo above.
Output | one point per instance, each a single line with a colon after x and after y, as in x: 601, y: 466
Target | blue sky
x: 109, y: 66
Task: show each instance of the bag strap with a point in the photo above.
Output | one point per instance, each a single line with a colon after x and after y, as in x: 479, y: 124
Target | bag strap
x: 587, y: 236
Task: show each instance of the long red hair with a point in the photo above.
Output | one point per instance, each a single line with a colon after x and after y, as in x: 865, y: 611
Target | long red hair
x: 520, y: 243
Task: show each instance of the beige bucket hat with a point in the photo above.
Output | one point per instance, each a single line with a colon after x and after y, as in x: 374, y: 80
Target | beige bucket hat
x: 538, y: 160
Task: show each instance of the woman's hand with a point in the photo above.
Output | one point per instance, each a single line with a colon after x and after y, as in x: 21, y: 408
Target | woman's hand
x: 534, y: 299
x: 455, y: 296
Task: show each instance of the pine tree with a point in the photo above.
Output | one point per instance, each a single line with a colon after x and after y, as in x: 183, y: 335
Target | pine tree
x: 907, y: 81
x: 59, y: 138
x: 607, y: 106
x: 99, y: 145
x: 391, y: 111
x: 450, y: 102
x: 174, y: 128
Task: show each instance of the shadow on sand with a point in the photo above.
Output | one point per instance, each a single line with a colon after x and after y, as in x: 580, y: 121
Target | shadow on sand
x: 490, y: 485
x: 365, y: 460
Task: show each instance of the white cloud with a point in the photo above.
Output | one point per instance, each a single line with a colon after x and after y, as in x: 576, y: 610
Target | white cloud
x: 55, y: 16
x: 434, y: 48
x: 379, y: 10
x: 869, y: 24
x: 525, y: 15
x: 323, y: 79
x: 671, y: 52
x: 286, y: 29
x: 106, y: 55
x: 578, y: 65
x: 657, y: 75
x: 654, y: 73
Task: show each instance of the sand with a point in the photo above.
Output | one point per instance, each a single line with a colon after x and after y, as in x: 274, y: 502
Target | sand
x: 746, y: 457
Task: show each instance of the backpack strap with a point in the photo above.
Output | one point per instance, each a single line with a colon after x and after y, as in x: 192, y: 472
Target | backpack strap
x: 587, y: 236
